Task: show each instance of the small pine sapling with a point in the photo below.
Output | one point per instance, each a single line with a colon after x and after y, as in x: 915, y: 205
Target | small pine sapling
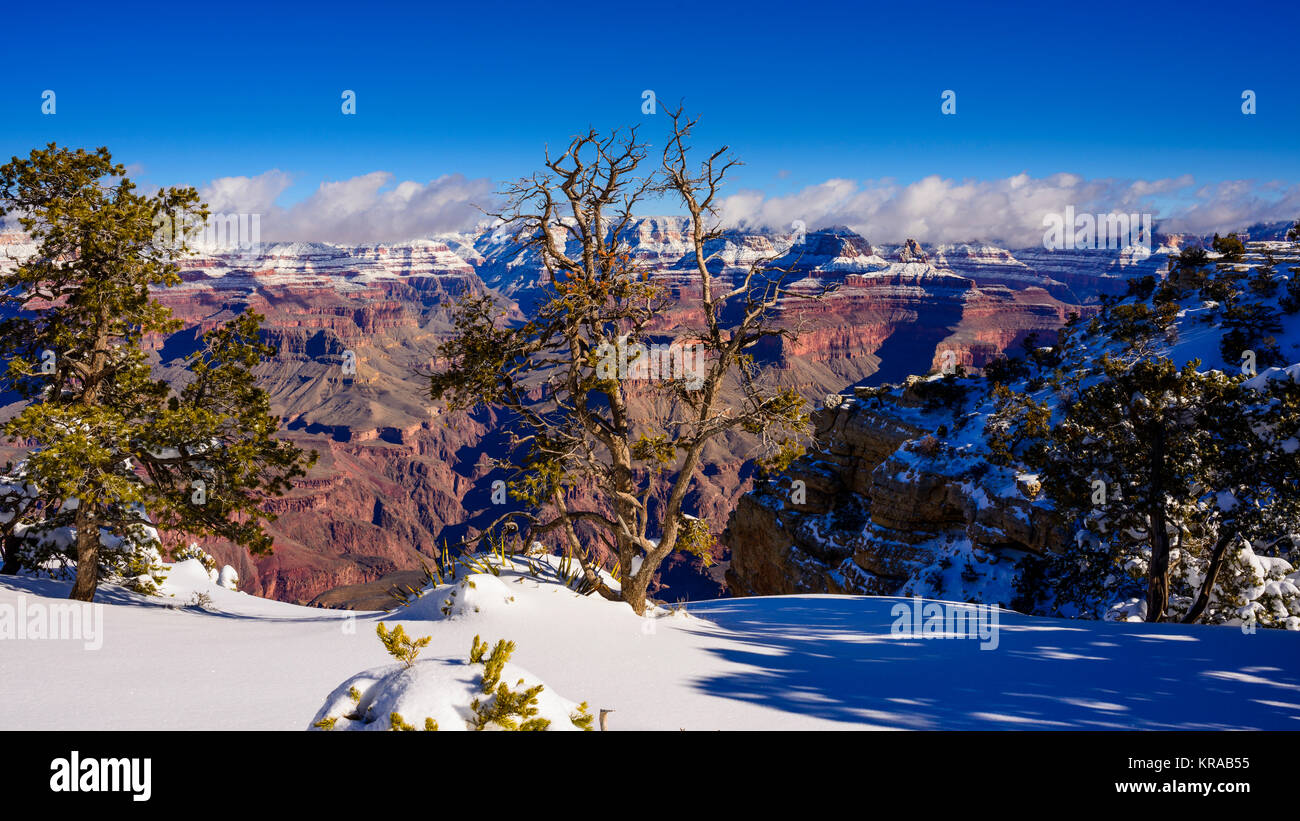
x: 398, y: 724
x: 506, y: 708
x: 582, y: 717
x: 401, y: 646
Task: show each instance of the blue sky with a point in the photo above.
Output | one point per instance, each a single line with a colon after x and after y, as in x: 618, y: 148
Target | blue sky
x: 186, y: 93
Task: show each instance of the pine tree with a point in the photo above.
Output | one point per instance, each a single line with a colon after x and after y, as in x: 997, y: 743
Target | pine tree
x: 1018, y: 428
x: 505, y: 708
x: 1231, y: 247
x: 1125, y: 460
x: 1151, y: 465
x: 115, y: 453
x: 1264, y: 281
x: 1245, y: 313
x: 1289, y: 302
x: 1251, y: 326
x: 1251, y: 494
x: 1189, y: 269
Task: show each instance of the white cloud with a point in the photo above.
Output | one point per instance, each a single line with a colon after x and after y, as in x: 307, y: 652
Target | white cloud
x: 1009, y: 211
x: 357, y: 210
x: 254, y: 195
x: 1237, y: 204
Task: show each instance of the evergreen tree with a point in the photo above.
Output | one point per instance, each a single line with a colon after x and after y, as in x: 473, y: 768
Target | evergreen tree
x: 1250, y: 326
x: 116, y: 454
x: 1250, y: 494
x: 1189, y: 269
x: 1231, y: 247
x: 1160, y: 472
x: 1245, y: 313
x: 1018, y: 428
x: 1125, y: 461
x: 1264, y: 281
x: 1289, y: 302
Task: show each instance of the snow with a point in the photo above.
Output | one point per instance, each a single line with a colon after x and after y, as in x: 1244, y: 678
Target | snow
x: 228, y: 578
x: 227, y: 660
x: 965, y: 572
x: 188, y: 576
x: 443, y: 690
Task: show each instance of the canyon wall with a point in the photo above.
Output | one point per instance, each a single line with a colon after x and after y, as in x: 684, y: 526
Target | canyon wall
x: 397, y: 477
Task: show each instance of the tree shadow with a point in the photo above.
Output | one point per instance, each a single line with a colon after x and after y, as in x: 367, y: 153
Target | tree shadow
x: 833, y: 658
x: 54, y: 592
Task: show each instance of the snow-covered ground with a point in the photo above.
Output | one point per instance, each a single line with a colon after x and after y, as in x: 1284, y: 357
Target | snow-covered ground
x: 785, y: 662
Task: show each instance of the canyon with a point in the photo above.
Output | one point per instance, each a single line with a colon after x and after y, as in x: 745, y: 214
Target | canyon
x: 355, y: 328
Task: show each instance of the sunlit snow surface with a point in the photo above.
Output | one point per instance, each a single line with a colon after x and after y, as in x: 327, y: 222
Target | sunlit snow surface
x: 784, y: 662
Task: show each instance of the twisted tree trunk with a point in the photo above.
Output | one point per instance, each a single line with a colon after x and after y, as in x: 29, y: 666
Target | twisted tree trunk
x: 1158, y: 575
x: 1218, y: 556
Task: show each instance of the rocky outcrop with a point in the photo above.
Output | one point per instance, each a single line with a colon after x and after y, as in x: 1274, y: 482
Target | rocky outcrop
x: 902, y: 494
x: 912, y: 252
x: 880, y: 500
x: 380, y: 594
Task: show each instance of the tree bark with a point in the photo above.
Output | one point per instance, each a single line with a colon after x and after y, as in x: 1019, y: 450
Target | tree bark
x: 634, y: 593
x: 1158, y: 575
x: 1218, y: 556
x: 87, y: 556
x: 10, y: 566
x: 87, y: 523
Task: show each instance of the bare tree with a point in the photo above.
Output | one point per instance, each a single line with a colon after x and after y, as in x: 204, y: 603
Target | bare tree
x: 594, y: 412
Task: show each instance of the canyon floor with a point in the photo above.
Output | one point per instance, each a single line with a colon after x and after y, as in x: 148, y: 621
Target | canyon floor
x: 199, y: 656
